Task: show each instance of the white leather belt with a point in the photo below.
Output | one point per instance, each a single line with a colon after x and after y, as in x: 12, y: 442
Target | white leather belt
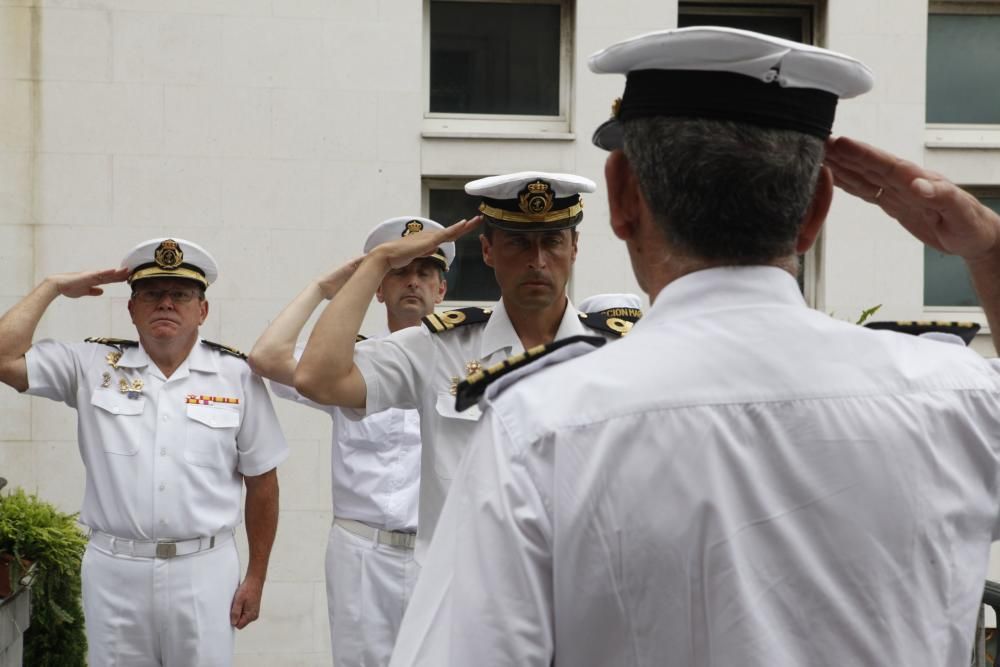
x: 157, y: 548
x: 391, y: 538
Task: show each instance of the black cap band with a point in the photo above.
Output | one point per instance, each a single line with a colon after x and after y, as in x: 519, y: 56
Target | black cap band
x: 727, y: 96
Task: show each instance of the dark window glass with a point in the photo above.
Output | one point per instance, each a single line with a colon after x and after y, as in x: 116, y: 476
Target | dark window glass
x: 946, y: 279
x: 792, y: 23
x: 495, y: 58
x: 963, y: 69
x: 468, y: 279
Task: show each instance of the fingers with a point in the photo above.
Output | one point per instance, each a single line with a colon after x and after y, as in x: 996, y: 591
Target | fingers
x: 111, y: 276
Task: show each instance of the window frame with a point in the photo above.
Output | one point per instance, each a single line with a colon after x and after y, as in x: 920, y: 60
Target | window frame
x: 961, y: 313
x: 504, y: 126
x: 810, y: 12
x: 427, y: 184
x: 961, y: 135
x: 809, y: 8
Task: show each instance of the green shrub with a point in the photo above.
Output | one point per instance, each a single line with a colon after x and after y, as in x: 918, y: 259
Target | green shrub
x: 36, y: 531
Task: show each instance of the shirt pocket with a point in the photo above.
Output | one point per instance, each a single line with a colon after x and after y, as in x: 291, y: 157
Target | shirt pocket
x: 453, y: 435
x: 211, y: 436
x: 124, y: 412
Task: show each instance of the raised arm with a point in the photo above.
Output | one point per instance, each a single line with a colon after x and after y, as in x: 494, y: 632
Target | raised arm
x: 17, y: 326
x: 326, y: 372
x: 929, y: 206
x: 273, y: 355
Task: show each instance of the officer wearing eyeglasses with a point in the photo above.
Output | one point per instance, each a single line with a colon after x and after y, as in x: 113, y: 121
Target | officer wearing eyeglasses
x: 170, y: 428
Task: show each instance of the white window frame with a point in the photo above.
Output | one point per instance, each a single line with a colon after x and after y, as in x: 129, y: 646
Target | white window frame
x: 505, y: 126
x: 962, y: 135
x: 962, y: 313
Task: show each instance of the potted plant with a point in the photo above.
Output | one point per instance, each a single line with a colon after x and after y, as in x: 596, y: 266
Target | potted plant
x: 34, y: 530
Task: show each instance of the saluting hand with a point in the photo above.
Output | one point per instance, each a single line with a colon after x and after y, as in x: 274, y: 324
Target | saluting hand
x: 331, y: 283
x: 85, y: 283
x: 928, y: 205
x: 402, y: 251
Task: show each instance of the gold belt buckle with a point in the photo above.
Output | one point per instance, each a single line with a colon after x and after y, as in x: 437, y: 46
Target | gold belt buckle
x: 166, y: 549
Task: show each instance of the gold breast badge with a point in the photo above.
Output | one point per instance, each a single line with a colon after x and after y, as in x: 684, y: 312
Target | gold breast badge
x: 113, y: 358
x: 135, y: 391
x: 470, y: 368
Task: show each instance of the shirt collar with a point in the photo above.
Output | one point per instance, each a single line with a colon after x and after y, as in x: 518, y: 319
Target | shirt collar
x: 134, y: 356
x: 499, y: 332
x: 201, y: 358
x: 724, y: 288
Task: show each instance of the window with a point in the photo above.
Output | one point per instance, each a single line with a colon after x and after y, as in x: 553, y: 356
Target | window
x: 963, y: 67
x: 947, y: 283
x: 792, y: 21
x: 468, y: 278
x: 499, y: 67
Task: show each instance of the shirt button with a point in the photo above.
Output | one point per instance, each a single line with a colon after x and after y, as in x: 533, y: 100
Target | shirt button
x: 163, y: 522
x: 163, y: 451
x: 166, y: 418
x: 162, y: 487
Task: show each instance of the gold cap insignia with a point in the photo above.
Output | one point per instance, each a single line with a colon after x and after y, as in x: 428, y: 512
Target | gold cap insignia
x: 536, y: 199
x: 412, y: 227
x: 616, y: 107
x: 168, y: 255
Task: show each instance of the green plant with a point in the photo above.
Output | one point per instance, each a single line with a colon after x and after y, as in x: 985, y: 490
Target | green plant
x: 867, y: 313
x: 34, y: 530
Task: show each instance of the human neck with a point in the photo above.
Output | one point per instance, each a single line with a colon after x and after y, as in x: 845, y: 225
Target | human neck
x: 536, y: 327
x: 168, y: 355
x: 670, y: 269
x: 396, y: 323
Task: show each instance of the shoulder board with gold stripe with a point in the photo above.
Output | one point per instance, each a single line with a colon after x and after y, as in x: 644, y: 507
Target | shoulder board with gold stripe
x: 450, y: 319
x: 615, y: 321
x: 470, y: 390
x: 964, y: 330
x: 111, y: 342
x: 359, y: 338
x: 225, y: 349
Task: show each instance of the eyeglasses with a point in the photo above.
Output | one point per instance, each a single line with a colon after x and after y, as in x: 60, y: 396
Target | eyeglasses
x: 156, y: 295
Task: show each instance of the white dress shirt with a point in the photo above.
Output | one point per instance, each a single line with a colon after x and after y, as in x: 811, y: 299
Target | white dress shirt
x: 375, y: 462
x: 414, y: 368
x: 160, y: 466
x: 740, y: 481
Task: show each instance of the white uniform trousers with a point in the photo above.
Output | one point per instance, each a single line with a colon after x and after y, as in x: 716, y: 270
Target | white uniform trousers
x: 165, y: 612
x: 368, y: 586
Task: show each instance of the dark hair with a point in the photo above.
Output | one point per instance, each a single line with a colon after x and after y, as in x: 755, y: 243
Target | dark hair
x: 724, y: 190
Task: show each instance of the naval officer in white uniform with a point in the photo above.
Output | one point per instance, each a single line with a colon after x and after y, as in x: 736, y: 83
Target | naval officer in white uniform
x: 375, y: 462
x: 530, y: 241
x: 170, y: 429
x: 742, y: 480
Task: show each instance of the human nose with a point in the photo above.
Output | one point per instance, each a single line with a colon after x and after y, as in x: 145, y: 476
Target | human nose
x: 536, y: 258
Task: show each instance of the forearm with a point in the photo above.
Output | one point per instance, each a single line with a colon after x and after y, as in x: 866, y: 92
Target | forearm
x: 17, y: 328
x: 273, y: 355
x: 327, y: 363
x: 261, y: 513
x: 985, y: 273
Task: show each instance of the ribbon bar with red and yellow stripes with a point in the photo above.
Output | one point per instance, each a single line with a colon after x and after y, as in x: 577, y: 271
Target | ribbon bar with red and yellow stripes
x: 193, y: 399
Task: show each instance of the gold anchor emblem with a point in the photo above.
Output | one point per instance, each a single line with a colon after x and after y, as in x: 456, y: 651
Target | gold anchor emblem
x: 112, y: 359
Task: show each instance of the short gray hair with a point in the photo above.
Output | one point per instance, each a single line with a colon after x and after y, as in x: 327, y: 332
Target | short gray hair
x: 723, y: 190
